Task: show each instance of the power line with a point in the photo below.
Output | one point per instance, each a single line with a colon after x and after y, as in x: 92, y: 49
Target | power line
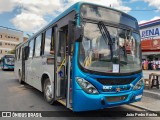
x: 10, y: 28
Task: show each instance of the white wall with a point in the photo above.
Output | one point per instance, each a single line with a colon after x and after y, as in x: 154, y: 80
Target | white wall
x: 150, y: 33
x: 13, y: 32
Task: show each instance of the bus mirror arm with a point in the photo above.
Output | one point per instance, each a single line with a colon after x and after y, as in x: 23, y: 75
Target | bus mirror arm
x: 71, y: 26
x: 78, y: 34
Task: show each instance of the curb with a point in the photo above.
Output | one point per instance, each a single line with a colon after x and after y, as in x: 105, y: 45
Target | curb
x: 146, y: 109
x: 151, y: 94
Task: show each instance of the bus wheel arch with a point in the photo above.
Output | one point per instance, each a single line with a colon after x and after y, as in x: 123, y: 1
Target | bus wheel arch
x: 47, y: 89
x: 44, y: 77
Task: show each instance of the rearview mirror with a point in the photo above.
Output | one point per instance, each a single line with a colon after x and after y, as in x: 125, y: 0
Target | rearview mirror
x: 75, y: 33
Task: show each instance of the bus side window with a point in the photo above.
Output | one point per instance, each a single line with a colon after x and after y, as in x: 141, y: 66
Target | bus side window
x: 31, y: 46
x: 19, y: 53
x: 27, y: 54
x: 16, y: 54
x: 48, y: 44
x: 38, y: 46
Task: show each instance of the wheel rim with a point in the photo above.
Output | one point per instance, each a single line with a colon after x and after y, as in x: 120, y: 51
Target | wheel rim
x: 48, y: 92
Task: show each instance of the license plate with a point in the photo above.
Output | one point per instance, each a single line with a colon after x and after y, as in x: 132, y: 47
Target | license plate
x: 138, y: 97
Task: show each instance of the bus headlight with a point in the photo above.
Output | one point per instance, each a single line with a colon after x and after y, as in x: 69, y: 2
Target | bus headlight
x: 139, y: 84
x: 86, y: 86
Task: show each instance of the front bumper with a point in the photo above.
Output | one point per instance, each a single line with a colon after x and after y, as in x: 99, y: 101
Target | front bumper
x: 84, y: 102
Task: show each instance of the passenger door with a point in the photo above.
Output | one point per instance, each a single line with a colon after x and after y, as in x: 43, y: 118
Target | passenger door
x: 60, y: 64
x: 23, y: 64
x: 29, y: 63
x: 63, y: 66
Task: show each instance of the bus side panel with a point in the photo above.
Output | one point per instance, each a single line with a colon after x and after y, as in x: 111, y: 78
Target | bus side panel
x: 28, y: 74
x: 35, y: 68
x: 18, y: 67
x: 49, y: 70
x: 37, y: 72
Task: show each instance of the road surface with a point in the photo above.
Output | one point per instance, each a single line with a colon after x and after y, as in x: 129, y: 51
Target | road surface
x: 16, y: 97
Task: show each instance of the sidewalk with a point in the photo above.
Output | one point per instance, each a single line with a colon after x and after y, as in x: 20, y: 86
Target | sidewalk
x: 152, y: 93
x: 148, y: 103
x: 151, y: 97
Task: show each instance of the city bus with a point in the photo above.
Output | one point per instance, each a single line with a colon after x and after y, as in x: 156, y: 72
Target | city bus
x: 88, y: 58
x: 7, y: 62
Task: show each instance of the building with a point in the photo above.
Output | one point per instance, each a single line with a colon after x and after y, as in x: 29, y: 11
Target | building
x: 25, y: 39
x: 9, y: 38
x: 150, y: 36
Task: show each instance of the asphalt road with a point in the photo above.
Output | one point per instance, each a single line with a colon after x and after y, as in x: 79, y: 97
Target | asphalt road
x: 16, y: 97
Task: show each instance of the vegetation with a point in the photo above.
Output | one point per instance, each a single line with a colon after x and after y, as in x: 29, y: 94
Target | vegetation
x: 12, y: 52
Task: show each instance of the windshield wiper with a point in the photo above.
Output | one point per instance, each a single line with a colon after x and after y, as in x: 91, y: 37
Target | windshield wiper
x: 127, y: 36
x: 105, y: 34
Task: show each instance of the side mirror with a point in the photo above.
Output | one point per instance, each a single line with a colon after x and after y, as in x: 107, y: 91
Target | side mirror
x: 75, y: 33
x: 26, y: 52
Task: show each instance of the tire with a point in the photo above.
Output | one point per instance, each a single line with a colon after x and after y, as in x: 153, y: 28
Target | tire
x: 47, y: 90
x: 20, y: 77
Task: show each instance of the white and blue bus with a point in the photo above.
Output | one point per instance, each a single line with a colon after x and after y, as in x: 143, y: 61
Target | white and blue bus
x: 7, y: 62
x: 88, y: 58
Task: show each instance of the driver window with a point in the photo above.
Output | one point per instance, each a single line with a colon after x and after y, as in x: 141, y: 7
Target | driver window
x: 122, y: 46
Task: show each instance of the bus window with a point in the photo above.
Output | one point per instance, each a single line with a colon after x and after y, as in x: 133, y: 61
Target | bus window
x: 31, y: 45
x: 19, y: 53
x: 48, y: 37
x: 38, y: 46
x: 16, y: 54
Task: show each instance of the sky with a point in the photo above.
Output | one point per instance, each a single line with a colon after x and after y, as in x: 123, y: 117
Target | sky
x: 31, y: 15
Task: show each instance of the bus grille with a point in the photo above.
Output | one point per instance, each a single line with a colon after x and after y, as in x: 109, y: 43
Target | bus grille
x: 116, y: 98
x: 115, y: 81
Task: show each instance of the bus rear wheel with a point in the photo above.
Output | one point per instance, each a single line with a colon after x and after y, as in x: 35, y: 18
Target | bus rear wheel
x: 48, y: 91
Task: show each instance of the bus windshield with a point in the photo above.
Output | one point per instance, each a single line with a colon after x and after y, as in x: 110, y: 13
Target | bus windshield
x: 108, y: 15
x: 9, y: 59
x: 97, y: 55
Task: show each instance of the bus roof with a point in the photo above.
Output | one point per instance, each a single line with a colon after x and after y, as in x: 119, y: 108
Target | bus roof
x: 75, y: 7
x: 8, y: 55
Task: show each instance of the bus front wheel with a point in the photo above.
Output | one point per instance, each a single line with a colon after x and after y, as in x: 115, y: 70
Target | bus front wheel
x: 48, y: 91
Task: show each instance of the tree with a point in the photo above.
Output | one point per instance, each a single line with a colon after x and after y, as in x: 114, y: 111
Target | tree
x: 12, y: 51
